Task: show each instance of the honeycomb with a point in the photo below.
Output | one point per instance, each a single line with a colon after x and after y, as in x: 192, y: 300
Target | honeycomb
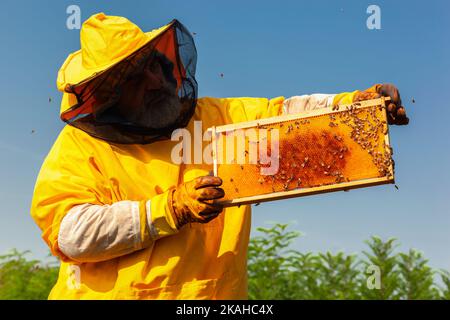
x: 322, y: 150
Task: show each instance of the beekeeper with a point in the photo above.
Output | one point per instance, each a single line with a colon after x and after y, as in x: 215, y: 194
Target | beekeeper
x: 125, y: 221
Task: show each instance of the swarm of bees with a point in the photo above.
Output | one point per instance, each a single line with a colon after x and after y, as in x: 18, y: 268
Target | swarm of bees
x: 366, y: 127
x: 304, y: 166
x: 364, y: 130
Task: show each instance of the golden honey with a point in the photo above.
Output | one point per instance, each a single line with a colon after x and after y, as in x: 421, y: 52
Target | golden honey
x: 324, y: 149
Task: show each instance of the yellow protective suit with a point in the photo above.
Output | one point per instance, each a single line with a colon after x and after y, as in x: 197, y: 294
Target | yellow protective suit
x: 199, y: 261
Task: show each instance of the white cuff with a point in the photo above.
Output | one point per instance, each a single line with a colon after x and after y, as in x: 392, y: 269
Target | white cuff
x: 299, y: 104
x: 151, y: 227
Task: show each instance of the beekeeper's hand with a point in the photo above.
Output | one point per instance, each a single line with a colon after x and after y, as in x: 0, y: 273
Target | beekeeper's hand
x: 396, y: 111
x: 193, y: 201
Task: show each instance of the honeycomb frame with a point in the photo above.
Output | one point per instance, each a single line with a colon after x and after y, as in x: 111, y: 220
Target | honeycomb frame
x: 325, y: 150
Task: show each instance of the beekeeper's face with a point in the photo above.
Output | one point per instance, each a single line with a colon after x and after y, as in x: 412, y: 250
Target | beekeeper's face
x: 149, y: 99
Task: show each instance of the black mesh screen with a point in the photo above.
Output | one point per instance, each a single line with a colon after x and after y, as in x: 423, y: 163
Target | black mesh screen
x: 100, y: 111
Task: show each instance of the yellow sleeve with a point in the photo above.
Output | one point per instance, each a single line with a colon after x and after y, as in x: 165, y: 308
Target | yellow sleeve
x: 344, y: 98
x: 220, y: 111
x: 69, y: 177
x: 349, y: 97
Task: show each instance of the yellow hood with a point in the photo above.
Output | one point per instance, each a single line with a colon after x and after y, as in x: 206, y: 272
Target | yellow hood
x: 105, y: 41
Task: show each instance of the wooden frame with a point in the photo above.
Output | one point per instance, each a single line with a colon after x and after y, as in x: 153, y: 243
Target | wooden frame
x: 304, y: 191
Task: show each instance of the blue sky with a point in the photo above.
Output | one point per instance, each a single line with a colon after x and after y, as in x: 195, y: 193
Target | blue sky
x: 264, y: 49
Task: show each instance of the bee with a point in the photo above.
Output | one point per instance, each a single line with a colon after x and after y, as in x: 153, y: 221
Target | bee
x: 332, y: 124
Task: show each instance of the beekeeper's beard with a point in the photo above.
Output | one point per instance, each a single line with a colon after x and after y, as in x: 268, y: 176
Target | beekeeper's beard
x: 162, y: 108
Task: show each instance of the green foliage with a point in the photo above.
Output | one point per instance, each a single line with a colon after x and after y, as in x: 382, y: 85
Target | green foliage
x: 445, y: 276
x: 275, y: 272
x: 382, y: 255
x: 337, y: 276
x: 268, y: 258
x: 22, y: 279
x: 417, y: 278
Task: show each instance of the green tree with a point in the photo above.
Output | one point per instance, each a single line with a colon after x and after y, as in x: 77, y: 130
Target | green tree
x: 382, y: 256
x: 268, y: 263
x: 445, y: 290
x: 22, y: 279
x: 416, y: 277
x: 276, y: 272
x: 338, y: 276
